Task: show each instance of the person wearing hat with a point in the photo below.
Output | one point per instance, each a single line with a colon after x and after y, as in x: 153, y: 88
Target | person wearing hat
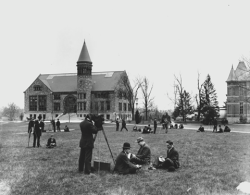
x: 86, y: 144
x: 58, y: 125
x: 37, y: 131
x: 123, y: 165
x: 171, y: 162
x: 143, y: 155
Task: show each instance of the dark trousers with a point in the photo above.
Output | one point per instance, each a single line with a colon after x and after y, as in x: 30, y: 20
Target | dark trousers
x: 117, y: 127
x: 138, y: 161
x: 54, y: 128
x: 85, y: 160
x: 215, y: 128
x: 155, y: 129
x: 58, y: 128
x: 38, y: 140
x: 124, y: 128
x: 165, y: 165
x: 129, y: 171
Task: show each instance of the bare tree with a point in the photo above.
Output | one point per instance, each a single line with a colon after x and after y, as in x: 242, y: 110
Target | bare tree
x: 146, y: 92
x: 11, y: 111
x: 124, y: 87
x: 180, y: 90
x: 174, y: 99
x: 198, y: 97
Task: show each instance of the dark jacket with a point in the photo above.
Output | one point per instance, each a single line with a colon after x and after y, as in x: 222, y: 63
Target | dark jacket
x: 50, y: 141
x: 144, y: 153
x: 123, y: 164
x: 38, y: 128
x: 87, y: 128
x: 227, y: 129
x: 58, y: 123
x: 155, y: 124
x: 174, y: 156
x: 123, y: 123
x: 31, y: 124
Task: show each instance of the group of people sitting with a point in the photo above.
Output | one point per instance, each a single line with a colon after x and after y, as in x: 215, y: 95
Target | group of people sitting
x: 221, y: 130
x: 127, y: 163
x: 176, y: 126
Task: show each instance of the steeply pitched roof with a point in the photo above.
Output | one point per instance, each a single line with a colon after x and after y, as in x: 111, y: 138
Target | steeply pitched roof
x: 102, y: 81
x: 84, y: 55
x: 241, y: 72
x: 231, y: 76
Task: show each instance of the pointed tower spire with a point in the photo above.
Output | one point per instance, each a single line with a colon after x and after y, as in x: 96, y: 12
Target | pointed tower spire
x: 84, y: 55
x: 231, y: 76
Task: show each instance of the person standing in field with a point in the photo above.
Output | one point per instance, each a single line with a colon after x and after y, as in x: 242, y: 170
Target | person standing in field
x: 155, y: 125
x: 117, y: 124
x: 58, y: 125
x: 37, y: 132
x: 86, y: 144
x: 124, y: 125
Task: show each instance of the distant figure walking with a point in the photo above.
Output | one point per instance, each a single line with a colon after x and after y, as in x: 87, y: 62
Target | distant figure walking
x: 117, y: 124
x: 155, y: 125
x: 58, y: 125
x: 124, y: 125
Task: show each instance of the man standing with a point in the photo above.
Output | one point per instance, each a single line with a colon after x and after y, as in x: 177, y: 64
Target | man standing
x: 30, y: 128
x: 215, y: 125
x: 53, y: 124
x: 143, y: 155
x: 124, y: 125
x: 37, y: 132
x: 117, y: 124
x: 86, y: 144
x: 123, y: 165
x: 155, y: 125
x: 58, y: 125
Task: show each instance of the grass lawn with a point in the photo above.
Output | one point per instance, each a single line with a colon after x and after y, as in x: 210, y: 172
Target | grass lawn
x: 210, y: 163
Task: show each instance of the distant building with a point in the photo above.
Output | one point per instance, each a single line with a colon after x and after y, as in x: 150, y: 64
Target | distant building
x: 54, y: 95
x: 238, y: 96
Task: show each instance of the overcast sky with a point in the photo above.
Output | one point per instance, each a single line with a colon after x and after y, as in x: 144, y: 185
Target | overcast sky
x: 156, y: 39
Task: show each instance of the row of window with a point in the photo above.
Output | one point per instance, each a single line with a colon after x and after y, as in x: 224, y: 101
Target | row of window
x: 37, y: 103
x: 81, y: 96
x: 236, y: 91
x: 234, y: 109
x: 100, y: 105
x: 126, y: 107
x: 84, y: 115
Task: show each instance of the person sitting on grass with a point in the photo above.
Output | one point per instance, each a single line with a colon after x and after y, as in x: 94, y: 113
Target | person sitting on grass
x: 220, y: 130
x: 66, y: 129
x: 171, y: 162
x: 143, y: 155
x: 146, y: 130
x: 123, y: 165
x: 51, y: 142
x: 135, y: 128
x: 181, y: 126
x: 176, y: 126
x: 227, y: 129
x: 201, y: 129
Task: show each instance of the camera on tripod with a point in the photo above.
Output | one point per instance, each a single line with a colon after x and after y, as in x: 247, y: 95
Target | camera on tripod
x: 99, y: 120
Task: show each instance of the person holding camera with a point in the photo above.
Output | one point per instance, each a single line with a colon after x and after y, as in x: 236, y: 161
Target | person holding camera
x: 86, y: 144
x: 123, y: 165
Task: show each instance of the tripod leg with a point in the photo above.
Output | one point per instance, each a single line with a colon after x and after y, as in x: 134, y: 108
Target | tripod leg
x: 108, y: 145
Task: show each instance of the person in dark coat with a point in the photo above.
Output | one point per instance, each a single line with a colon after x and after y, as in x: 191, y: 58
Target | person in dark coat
x: 143, y: 155
x: 86, y: 144
x: 117, y: 124
x: 58, y: 125
x: 201, y: 129
x: 66, y: 128
x: 51, y: 143
x: 171, y: 162
x: 123, y: 165
x: 146, y: 130
x: 220, y: 130
x: 181, y: 126
x: 31, y: 125
x: 53, y: 124
x: 227, y: 129
x: 215, y: 123
x: 42, y: 126
x: 155, y: 125
x: 124, y: 125
x: 37, y: 133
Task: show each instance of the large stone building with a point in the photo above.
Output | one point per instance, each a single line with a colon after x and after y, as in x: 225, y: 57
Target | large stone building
x: 238, y: 96
x: 55, y: 95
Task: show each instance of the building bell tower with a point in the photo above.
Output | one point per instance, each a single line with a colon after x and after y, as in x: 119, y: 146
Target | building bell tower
x: 84, y: 81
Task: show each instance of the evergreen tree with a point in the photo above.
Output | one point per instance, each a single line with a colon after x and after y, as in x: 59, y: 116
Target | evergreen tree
x: 184, y: 106
x: 210, y: 109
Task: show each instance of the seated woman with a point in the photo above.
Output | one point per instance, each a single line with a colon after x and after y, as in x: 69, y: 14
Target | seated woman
x: 146, y: 129
x: 66, y: 129
x: 227, y: 129
x: 201, y: 129
x: 51, y: 142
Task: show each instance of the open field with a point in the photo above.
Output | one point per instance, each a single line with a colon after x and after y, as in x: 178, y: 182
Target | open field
x: 210, y: 163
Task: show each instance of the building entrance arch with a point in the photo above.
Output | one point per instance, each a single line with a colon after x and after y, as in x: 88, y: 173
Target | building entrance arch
x: 69, y: 104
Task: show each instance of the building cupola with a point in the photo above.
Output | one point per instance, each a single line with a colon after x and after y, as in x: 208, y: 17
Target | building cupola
x: 84, y: 64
